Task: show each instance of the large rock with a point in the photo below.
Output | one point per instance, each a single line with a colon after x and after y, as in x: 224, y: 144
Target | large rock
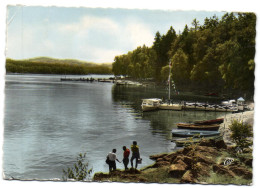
x: 206, y: 151
x: 188, y: 177
x: 204, y: 158
x: 159, y: 159
x: 188, y: 160
x: 171, y: 157
x: 183, y: 159
x: 155, y: 157
x: 209, y: 150
x: 160, y: 164
x: 177, y: 170
x: 202, y: 169
x: 220, y: 144
x: 187, y: 150
x: 207, y: 142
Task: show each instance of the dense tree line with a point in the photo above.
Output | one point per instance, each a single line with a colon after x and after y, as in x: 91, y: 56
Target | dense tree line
x: 58, y: 67
x: 217, y: 54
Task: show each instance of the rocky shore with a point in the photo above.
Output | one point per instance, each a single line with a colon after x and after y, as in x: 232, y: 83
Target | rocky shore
x: 211, y: 161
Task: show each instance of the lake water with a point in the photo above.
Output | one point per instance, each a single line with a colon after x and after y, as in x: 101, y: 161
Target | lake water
x: 47, y: 123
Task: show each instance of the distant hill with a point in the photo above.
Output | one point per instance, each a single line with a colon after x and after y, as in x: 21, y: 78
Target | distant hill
x: 55, y: 60
x: 47, y: 65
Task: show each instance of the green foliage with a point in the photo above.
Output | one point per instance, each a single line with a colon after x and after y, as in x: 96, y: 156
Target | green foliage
x: 54, y: 66
x: 80, y: 171
x: 216, y: 54
x: 240, y: 133
x: 137, y: 64
x: 180, y: 73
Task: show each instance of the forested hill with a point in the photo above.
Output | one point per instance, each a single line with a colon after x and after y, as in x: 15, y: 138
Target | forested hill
x: 47, y: 65
x: 55, y: 60
x: 216, y: 54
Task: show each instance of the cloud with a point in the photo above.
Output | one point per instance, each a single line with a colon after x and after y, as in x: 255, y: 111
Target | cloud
x: 139, y: 34
x: 91, y: 38
x: 104, y: 55
x: 101, y: 39
x: 87, y: 23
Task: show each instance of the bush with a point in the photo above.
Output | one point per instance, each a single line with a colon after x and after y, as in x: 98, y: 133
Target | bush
x: 240, y: 133
x: 80, y: 170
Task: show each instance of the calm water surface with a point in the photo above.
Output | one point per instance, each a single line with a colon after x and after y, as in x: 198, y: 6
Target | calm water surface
x: 48, y: 122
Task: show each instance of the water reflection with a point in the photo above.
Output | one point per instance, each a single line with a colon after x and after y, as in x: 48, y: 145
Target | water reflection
x: 161, y: 121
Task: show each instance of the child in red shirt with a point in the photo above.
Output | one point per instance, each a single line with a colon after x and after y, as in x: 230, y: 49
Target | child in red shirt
x: 126, y: 156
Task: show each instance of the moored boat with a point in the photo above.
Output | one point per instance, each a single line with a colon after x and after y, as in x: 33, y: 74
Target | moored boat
x: 209, y: 122
x: 150, y: 104
x: 193, y: 133
x: 170, y: 106
x: 198, y: 127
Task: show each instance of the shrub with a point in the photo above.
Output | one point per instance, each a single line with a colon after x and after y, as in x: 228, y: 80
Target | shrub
x: 240, y: 133
x: 80, y: 170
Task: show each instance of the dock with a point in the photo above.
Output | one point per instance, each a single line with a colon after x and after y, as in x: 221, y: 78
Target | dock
x: 109, y: 80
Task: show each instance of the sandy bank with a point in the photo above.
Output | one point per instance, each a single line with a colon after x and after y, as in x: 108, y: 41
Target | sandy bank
x: 246, y: 117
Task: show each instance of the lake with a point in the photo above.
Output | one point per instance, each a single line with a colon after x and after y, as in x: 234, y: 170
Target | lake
x: 47, y: 123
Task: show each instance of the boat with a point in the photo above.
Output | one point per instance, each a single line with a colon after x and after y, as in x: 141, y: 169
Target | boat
x: 211, y: 94
x: 189, y: 105
x: 223, y: 108
x: 209, y: 122
x: 170, y: 106
x: 198, y: 127
x: 193, y: 133
x: 150, y: 104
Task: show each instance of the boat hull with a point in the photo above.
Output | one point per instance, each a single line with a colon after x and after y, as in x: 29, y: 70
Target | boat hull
x: 149, y: 108
x: 210, y: 122
x: 193, y: 133
x: 166, y: 106
x: 212, y: 127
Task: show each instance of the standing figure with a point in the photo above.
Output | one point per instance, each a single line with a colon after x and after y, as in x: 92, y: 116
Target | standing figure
x: 135, y: 154
x: 112, y: 160
x: 126, y: 156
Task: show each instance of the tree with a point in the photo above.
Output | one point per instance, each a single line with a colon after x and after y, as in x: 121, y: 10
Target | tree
x: 216, y: 54
x: 196, y: 24
x: 162, y: 46
x: 157, y: 48
x: 230, y: 69
x: 180, y: 73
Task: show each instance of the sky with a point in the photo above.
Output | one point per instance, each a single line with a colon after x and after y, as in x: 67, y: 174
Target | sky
x: 89, y: 34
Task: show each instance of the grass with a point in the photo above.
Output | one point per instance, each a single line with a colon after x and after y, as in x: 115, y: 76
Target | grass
x: 225, y: 180
x: 158, y: 175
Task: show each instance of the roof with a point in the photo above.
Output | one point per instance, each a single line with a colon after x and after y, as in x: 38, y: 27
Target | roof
x: 240, y: 99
